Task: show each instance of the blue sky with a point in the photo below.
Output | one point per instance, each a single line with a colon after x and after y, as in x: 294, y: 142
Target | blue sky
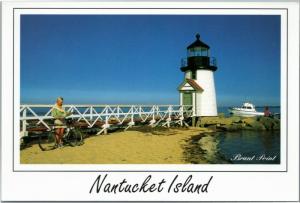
x: 135, y: 59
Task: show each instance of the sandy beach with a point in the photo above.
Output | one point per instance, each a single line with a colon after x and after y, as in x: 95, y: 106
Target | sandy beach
x: 130, y: 147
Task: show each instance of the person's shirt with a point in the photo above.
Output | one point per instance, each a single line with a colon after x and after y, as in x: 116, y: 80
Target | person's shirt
x: 58, y: 113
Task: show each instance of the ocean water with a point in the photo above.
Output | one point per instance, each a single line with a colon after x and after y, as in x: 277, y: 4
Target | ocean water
x: 43, y: 111
x: 239, y: 147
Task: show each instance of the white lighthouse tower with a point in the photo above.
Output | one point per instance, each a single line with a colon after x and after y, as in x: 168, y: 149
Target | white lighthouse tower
x: 198, y: 87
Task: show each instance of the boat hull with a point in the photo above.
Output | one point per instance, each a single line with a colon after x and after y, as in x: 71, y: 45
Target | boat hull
x: 245, y: 113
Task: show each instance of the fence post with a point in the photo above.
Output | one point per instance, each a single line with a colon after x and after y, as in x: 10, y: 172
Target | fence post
x: 106, y: 121
x: 24, y: 123
x: 181, y: 115
x: 131, y: 123
x: 118, y: 112
x: 91, y: 113
x: 132, y: 112
x: 140, y: 111
x: 169, y: 117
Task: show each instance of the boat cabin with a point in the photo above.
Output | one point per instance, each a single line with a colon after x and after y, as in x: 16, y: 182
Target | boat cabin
x: 248, y: 106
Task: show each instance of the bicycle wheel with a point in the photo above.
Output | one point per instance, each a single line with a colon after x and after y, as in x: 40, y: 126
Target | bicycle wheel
x: 47, y: 142
x: 23, y: 143
x: 79, y: 137
x: 71, y: 138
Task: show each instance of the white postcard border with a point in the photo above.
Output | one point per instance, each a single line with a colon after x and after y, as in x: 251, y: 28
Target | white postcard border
x: 74, y: 186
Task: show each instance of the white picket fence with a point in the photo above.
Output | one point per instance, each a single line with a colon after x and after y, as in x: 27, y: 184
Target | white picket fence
x: 91, y: 114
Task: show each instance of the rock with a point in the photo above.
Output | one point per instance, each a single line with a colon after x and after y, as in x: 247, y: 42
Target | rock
x: 198, y: 124
x: 267, y: 122
x: 238, y: 126
x: 270, y: 123
x: 230, y: 128
x: 276, y: 124
x: 237, y: 123
x: 210, y: 145
x: 212, y: 127
x: 206, y: 121
x: 221, y: 115
x: 235, y: 119
x: 257, y: 126
x: 252, y: 124
x: 249, y: 121
x: 235, y: 127
x: 225, y: 121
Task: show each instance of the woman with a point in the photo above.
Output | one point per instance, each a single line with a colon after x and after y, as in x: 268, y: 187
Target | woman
x: 267, y: 112
x: 59, y: 113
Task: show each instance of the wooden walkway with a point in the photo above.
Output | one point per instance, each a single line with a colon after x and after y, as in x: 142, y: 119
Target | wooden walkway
x: 34, y: 117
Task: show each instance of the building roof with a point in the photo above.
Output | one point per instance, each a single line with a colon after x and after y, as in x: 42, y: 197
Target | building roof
x: 192, y: 83
x: 198, y: 43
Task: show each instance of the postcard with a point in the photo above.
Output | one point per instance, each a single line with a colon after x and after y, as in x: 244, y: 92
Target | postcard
x: 150, y: 101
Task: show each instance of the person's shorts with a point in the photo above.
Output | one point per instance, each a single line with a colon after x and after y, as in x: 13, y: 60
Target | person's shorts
x: 59, y: 124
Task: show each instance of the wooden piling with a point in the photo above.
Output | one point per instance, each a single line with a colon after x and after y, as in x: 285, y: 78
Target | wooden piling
x: 194, y: 120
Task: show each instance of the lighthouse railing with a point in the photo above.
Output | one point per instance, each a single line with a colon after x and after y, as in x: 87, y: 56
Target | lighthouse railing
x: 184, y: 62
x: 212, y: 62
x: 39, y: 115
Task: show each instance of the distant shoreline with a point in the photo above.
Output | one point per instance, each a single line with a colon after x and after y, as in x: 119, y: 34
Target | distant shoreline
x: 227, y: 106
x: 255, y: 106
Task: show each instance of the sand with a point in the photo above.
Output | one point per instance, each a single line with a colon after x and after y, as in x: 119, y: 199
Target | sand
x: 129, y: 147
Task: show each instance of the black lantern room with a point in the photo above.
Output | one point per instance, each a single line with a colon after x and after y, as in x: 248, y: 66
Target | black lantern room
x: 198, y: 57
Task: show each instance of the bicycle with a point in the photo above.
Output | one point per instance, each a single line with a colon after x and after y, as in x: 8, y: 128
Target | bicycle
x: 72, y: 137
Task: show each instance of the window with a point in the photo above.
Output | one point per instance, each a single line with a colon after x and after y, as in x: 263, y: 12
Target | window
x: 204, y: 52
x: 197, y: 51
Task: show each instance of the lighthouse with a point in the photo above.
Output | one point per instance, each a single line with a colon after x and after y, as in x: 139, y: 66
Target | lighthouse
x: 198, y: 87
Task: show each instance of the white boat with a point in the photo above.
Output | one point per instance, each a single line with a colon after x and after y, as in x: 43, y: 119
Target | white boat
x: 247, y: 110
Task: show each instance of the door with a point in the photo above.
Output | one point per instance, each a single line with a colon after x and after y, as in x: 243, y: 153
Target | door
x: 187, y: 98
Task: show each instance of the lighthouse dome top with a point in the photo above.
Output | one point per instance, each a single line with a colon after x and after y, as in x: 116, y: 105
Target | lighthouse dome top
x: 198, y: 43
